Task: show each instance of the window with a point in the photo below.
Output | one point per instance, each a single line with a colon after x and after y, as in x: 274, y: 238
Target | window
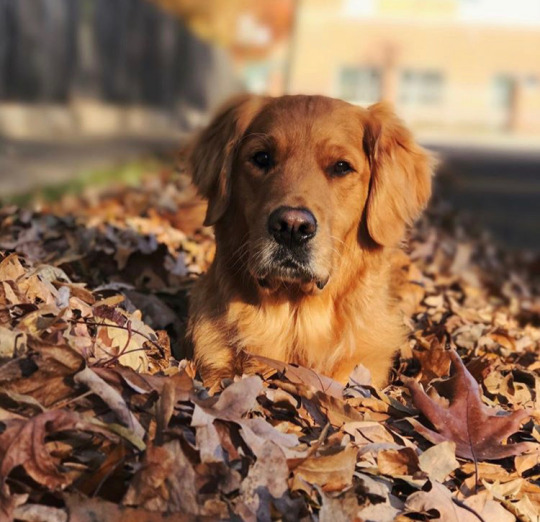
x: 502, y: 89
x: 421, y: 87
x: 360, y: 84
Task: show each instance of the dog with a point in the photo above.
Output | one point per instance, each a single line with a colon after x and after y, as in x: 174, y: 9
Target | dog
x: 310, y: 198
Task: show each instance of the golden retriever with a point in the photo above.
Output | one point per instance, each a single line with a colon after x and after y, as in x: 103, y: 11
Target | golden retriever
x: 310, y: 198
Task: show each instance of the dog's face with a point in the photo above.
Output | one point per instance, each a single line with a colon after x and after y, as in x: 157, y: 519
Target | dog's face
x: 300, y: 177
x: 300, y: 181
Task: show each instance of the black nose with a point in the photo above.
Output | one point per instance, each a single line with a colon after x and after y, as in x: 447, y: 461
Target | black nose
x: 292, y: 226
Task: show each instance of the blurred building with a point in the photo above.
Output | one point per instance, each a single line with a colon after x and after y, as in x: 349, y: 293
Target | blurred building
x: 448, y: 65
x: 138, y: 66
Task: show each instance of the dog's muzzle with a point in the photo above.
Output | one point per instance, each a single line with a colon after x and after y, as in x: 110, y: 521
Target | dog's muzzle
x: 291, y: 230
x: 292, y: 227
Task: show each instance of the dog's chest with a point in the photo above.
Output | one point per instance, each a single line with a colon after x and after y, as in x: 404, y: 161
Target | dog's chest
x: 307, y: 335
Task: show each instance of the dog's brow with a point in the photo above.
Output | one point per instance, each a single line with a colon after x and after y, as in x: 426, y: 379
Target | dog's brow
x: 336, y: 150
x: 263, y: 137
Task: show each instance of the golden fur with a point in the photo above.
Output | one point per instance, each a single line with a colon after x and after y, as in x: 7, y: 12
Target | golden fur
x: 341, y: 310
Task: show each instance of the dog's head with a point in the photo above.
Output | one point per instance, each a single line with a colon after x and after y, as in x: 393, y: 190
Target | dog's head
x: 294, y: 180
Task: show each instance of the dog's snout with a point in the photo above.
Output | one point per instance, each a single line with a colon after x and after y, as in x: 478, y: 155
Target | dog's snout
x: 292, y: 226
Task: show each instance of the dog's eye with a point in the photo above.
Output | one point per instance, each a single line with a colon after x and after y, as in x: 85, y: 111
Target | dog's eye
x: 262, y: 159
x: 341, y: 168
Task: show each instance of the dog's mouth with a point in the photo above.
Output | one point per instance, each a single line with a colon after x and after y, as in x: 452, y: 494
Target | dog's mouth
x: 289, y: 273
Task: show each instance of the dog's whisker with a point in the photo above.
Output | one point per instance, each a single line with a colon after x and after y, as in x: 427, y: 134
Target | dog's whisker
x: 239, y: 255
x: 345, y: 244
x: 243, y: 245
x: 237, y: 265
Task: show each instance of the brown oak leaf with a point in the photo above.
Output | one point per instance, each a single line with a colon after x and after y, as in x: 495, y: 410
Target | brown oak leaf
x: 477, y: 429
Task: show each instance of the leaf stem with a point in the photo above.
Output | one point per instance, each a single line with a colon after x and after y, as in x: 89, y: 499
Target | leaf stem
x: 468, y: 508
x: 127, y: 328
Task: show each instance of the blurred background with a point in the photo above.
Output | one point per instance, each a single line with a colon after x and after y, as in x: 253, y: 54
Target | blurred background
x: 94, y: 89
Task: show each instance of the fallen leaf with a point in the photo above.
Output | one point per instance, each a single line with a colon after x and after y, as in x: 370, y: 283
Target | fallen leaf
x: 37, y: 512
x: 112, y: 398
x: 527, y: 509
x: 81, y: 509
x: 331, y: 472
x: 339, y: 507
x: 337, y: 410
x: 437, y: 499
x: 398, y: 462
x: 527, y: 461
x: 23, y: 443
x: 12, y: 343
x: 488, y: 509
x: 434, y: 361
x: 167, y: 481
x: 232, y: 405
x: 302, y: 375
x: 439, y: 460
x: 45, y: 378
x: 477, y: 430
x: 266, y: 480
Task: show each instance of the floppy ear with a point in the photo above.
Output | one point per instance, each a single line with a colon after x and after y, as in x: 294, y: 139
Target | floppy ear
x: 212, y: 154
x: 401, y: 171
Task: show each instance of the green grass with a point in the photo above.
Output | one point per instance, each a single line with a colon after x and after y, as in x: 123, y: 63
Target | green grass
x: 125, y: 174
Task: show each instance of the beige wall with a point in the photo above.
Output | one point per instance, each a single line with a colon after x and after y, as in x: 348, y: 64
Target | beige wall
x: 469, y: 57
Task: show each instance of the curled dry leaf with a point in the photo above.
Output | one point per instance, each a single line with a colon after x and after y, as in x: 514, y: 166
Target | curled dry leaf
x: 330, y: 472
x: 266, y: 480
x: 37, y: 512
x: 438, y: 500
x: 527, y: 461
x: 301, y: 375
x: 232, y: 405
x: 168, y: 481
x: 477, y: 430
x: 112, y: 398
x: 12, y: 344
x: 9, y: 503
x: 398, y: 462
x: 23, y: 443
x: 46, y: 379
x: 434, y: 361
x: 489, y: 509
x: 165, y: 481
x: 382, y: 505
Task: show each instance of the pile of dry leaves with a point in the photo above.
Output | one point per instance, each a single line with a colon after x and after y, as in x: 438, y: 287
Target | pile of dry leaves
x: 98, y: 420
